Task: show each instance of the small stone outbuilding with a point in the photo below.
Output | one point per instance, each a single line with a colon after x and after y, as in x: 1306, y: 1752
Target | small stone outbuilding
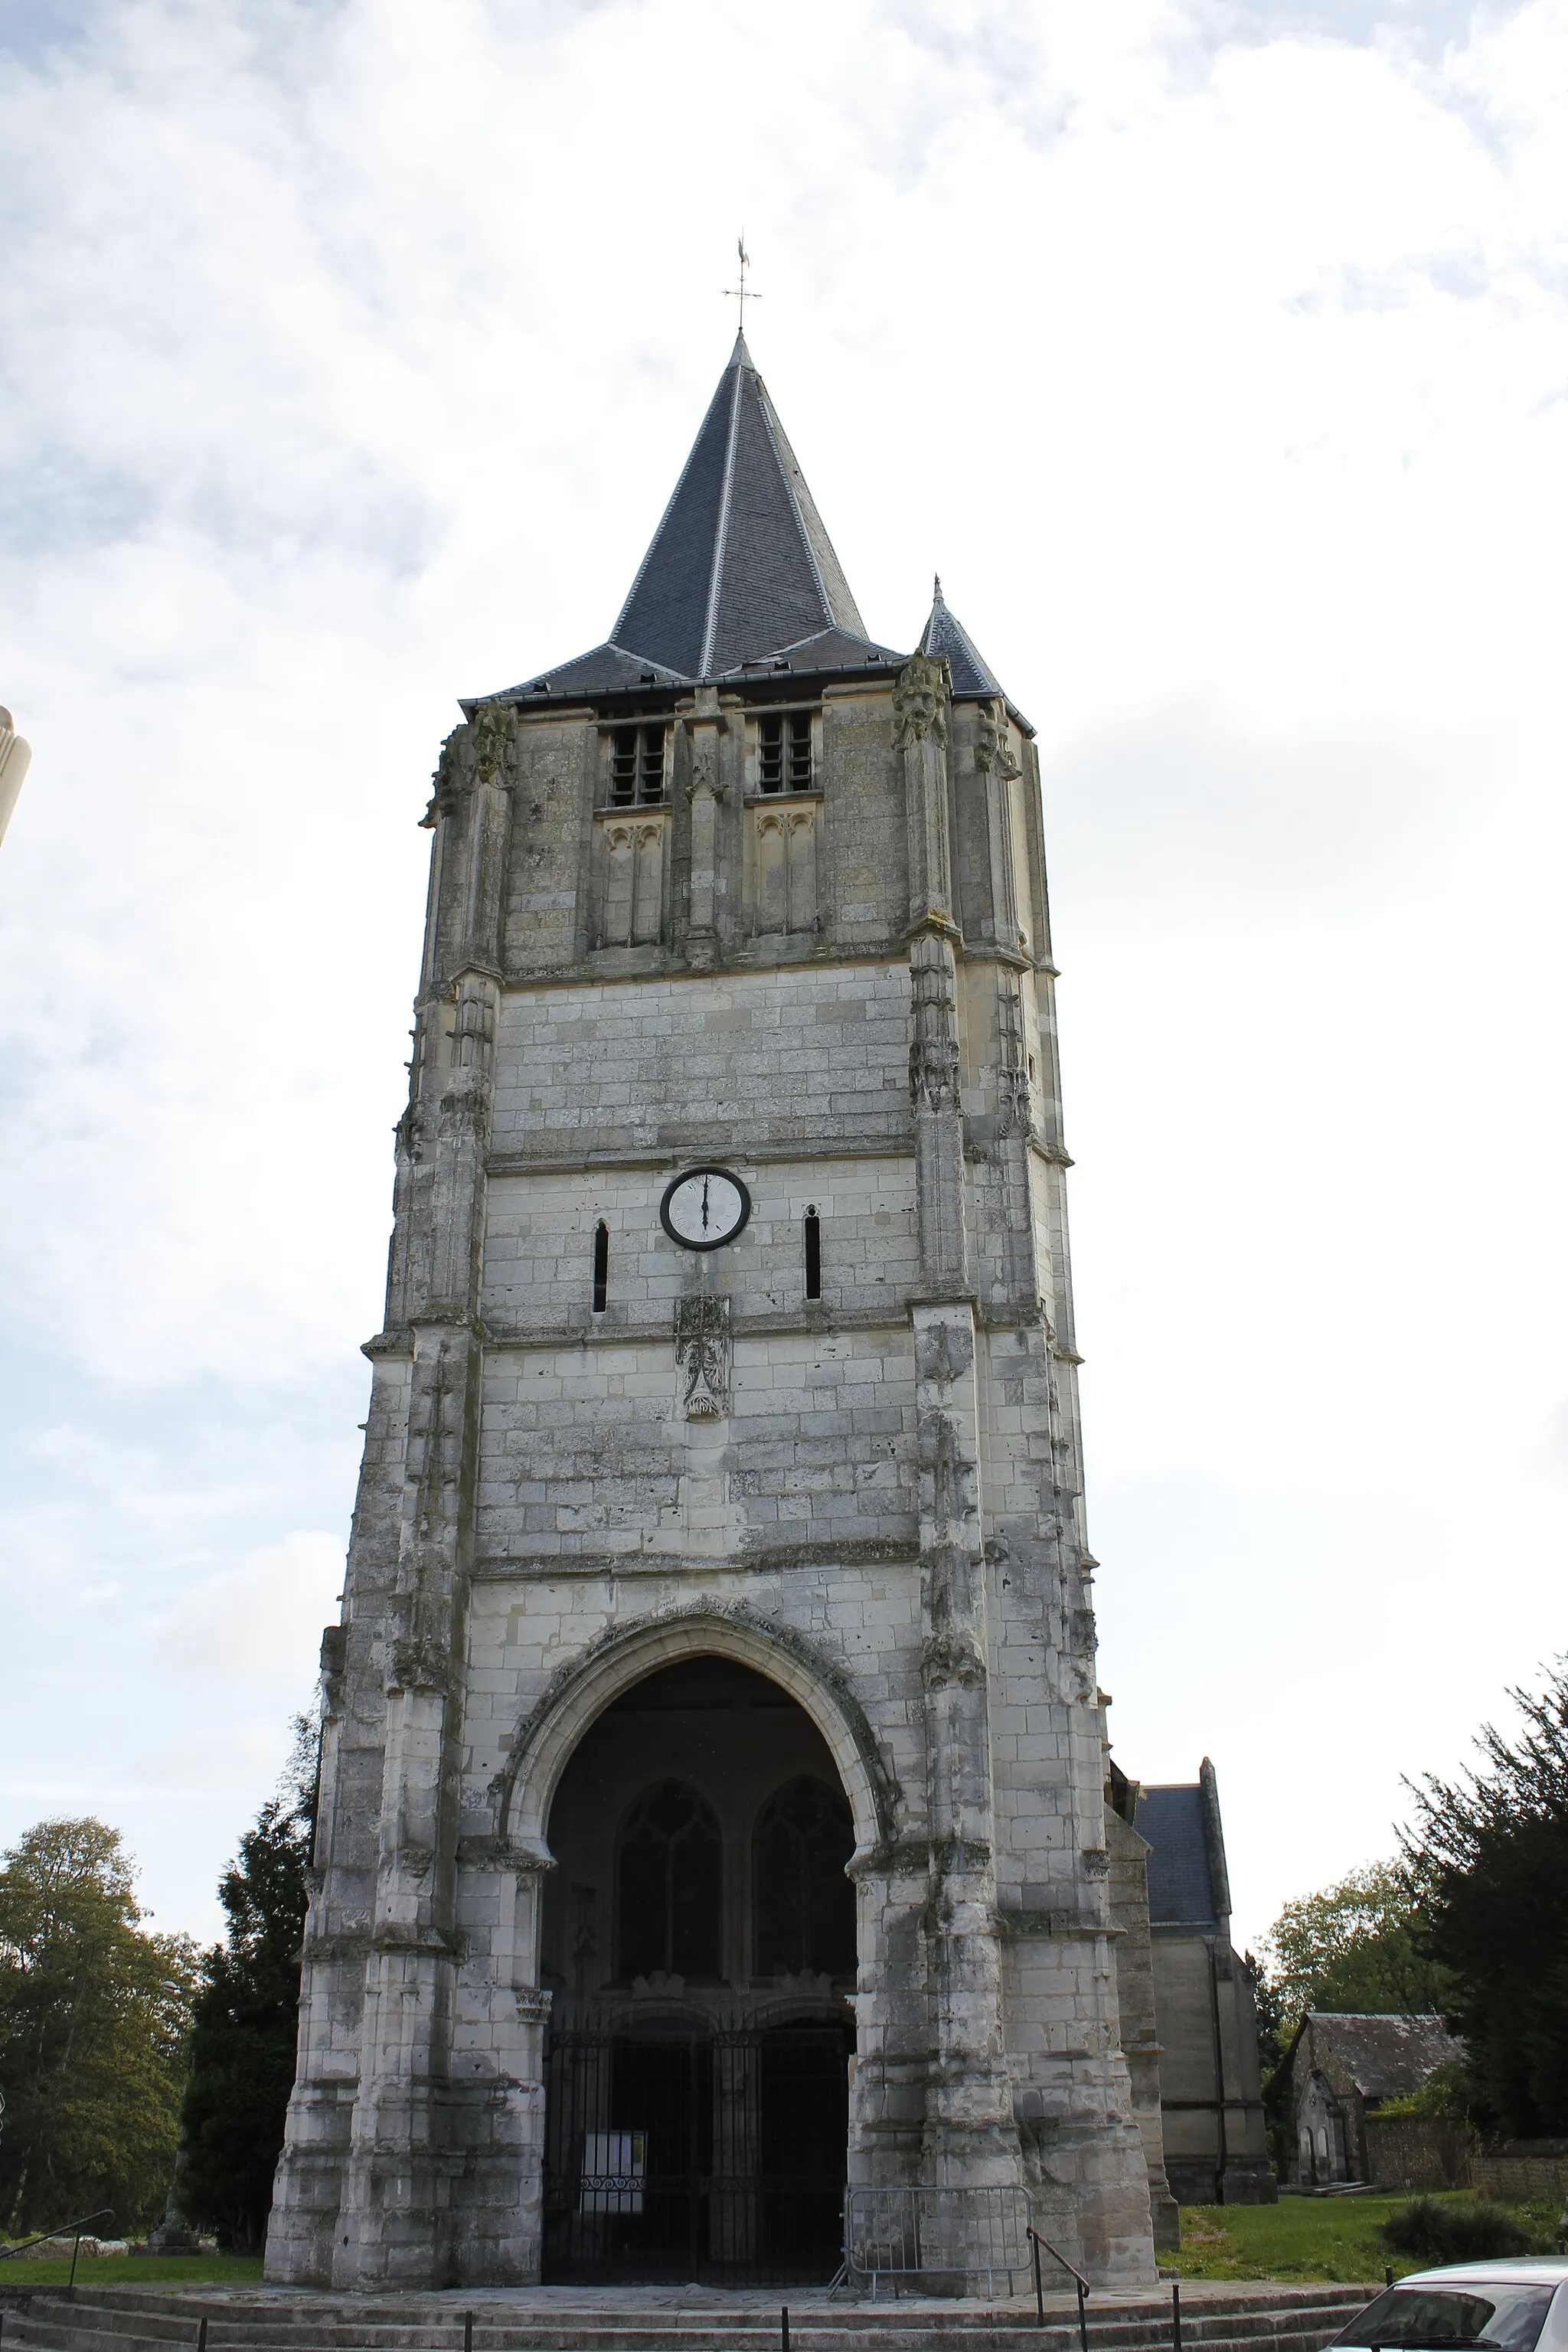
x: 1343, y: 2068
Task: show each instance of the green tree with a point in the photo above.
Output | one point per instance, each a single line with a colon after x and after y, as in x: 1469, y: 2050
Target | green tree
x: 247, y: 2016
x: 1356, y: 1946
x: 94, y: 2015
x: 1490, y: 1856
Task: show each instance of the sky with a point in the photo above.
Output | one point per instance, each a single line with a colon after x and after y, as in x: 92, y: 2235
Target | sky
x: 1217, y: 355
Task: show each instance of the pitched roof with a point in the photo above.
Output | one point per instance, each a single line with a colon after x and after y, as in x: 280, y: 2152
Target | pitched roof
x: 1181, y: 1885
x: 1386, y: 2057
x: 740, y: 572
x: 945, y: 633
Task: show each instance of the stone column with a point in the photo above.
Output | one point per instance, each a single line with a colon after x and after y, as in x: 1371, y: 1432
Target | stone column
x: 969, y: 2137
x: 706, y: 726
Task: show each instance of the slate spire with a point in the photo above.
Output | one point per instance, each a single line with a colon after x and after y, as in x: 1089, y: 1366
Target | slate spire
x: 945, y: 633
x: 741, y: 567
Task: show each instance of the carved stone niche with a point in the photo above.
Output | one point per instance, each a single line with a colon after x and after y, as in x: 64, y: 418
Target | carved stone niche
x: 704, y: 1352
x: 629, y: 875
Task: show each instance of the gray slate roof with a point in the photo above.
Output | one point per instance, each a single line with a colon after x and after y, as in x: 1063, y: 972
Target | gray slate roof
x: 741, y: 574
x: 1386, y: 2057
x: 1181, y: 1885
x: 945, y: 633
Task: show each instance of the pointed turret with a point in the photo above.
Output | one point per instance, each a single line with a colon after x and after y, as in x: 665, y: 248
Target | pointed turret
x: 945, y: 635
x: 740, y: 570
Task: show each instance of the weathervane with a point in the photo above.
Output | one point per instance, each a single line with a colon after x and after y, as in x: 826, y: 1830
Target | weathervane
x: 742, y: 294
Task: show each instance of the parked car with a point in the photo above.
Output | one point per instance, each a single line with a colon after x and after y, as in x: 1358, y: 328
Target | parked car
x: 1517, y: 2304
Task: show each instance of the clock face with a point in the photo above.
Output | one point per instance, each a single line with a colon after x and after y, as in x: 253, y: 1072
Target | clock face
x: 704, y: 1208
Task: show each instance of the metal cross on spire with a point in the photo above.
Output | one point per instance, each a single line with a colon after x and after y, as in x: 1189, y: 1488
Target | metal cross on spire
x: 742, y: 294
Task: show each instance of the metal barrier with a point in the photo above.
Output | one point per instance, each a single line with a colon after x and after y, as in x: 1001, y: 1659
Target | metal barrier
x: 75, y: 2231
x: 935, y: 2233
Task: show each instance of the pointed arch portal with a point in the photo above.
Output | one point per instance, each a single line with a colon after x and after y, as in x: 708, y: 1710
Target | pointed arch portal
x: 699, y: 1945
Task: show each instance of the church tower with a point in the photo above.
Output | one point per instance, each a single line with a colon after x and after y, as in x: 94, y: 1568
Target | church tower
x: 713, y: 1772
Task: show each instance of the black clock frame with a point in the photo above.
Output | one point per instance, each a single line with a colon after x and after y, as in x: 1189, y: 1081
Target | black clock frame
x: 683, y: 1241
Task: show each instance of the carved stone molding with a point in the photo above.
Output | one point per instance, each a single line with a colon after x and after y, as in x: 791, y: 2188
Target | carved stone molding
x: 991, y: 748
x: 920, y: 702
x: 721, y: 1617
x: 951, y: 1658
x: 494, y: 742
x: 704, y: 1351
x: 933, y: 1056
x: 418, y: 1664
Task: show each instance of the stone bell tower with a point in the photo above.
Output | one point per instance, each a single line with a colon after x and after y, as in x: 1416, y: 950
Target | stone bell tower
x: 712, y: 1783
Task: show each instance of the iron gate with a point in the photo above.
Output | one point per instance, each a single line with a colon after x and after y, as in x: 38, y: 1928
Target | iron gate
x: 690, y: 2152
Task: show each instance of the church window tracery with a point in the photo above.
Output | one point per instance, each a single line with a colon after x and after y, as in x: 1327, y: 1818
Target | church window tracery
x: 805, y: 1905
x: 671, y: 1886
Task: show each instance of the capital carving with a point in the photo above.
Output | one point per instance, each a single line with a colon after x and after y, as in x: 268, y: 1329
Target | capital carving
x: 920, y: 702
x: 947, y: 1658
x: 418, y: 1664
x: 991, y: 747
x: 495, y: 740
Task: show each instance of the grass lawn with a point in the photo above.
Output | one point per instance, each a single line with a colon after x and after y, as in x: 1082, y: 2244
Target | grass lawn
x: 142, y: 2270
x: 1331, y: 2238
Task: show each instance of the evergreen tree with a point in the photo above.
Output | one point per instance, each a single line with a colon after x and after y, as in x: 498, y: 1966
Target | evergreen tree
x: 94, y: 2015
x: 247, y: 2016
x: 1490, y: 1856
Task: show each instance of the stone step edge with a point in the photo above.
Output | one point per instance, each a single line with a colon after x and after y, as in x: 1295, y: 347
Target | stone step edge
x: 175, y: 2327
x: 1104, y: 2304
x: 1287, y: 2328
x: 52, y: 2333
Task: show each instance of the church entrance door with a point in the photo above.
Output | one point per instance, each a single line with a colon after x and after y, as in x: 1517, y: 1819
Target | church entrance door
x: 698, y: 1943
x: 716, y: 2155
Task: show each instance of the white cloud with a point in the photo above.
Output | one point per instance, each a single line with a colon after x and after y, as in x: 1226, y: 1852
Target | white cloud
x: 257, y: 1622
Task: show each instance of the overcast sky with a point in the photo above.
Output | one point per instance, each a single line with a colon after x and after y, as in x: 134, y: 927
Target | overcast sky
x: 1217, y: 356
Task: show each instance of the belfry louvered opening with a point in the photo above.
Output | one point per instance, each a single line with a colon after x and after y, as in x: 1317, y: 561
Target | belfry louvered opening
x: 637, y: 767
x: 783, y: 751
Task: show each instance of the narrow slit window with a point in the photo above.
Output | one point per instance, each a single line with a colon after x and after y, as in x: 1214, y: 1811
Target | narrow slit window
x: 637, y: 767
x: 601, y: 1266
x: 812, y: 1254
x: 783, y: 751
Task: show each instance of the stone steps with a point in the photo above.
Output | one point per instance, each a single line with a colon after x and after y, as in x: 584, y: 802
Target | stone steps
x: 128, y: 2319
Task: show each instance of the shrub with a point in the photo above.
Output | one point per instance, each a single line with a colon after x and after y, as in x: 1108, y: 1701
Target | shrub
x: 1463, y: 2232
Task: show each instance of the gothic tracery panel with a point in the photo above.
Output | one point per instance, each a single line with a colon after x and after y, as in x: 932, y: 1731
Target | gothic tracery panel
x: 784, y: 869
x: 633, y: 883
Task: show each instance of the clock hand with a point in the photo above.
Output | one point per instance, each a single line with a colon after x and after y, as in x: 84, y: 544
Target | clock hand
x: 705, y: 1204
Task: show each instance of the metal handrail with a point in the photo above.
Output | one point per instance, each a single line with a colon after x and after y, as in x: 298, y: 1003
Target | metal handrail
x: 72, y: 2230
x: 1036, y: 2243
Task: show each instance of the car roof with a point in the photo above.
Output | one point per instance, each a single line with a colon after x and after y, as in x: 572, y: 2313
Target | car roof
x: 1520, y: 2270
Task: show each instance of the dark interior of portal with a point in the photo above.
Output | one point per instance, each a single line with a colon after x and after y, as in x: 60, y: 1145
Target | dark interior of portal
x: 699, y: 1939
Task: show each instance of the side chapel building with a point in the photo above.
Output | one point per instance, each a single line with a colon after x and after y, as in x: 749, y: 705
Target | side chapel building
x: 714, y: 1787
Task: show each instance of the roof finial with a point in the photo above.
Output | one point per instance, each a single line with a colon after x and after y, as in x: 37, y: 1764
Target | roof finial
x: 742, y: 294
x: 936, y: 587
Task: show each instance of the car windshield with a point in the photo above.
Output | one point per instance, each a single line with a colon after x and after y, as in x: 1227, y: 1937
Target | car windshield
x: 1507, y: 2317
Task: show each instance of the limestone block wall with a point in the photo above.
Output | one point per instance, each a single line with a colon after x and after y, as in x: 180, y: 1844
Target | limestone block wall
x: 877, y: 1505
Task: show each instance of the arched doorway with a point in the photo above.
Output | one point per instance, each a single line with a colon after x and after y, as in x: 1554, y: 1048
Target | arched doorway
x: 698, y: 1941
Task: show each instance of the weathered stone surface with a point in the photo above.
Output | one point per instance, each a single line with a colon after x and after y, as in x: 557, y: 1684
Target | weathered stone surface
x: 873, y: 1497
